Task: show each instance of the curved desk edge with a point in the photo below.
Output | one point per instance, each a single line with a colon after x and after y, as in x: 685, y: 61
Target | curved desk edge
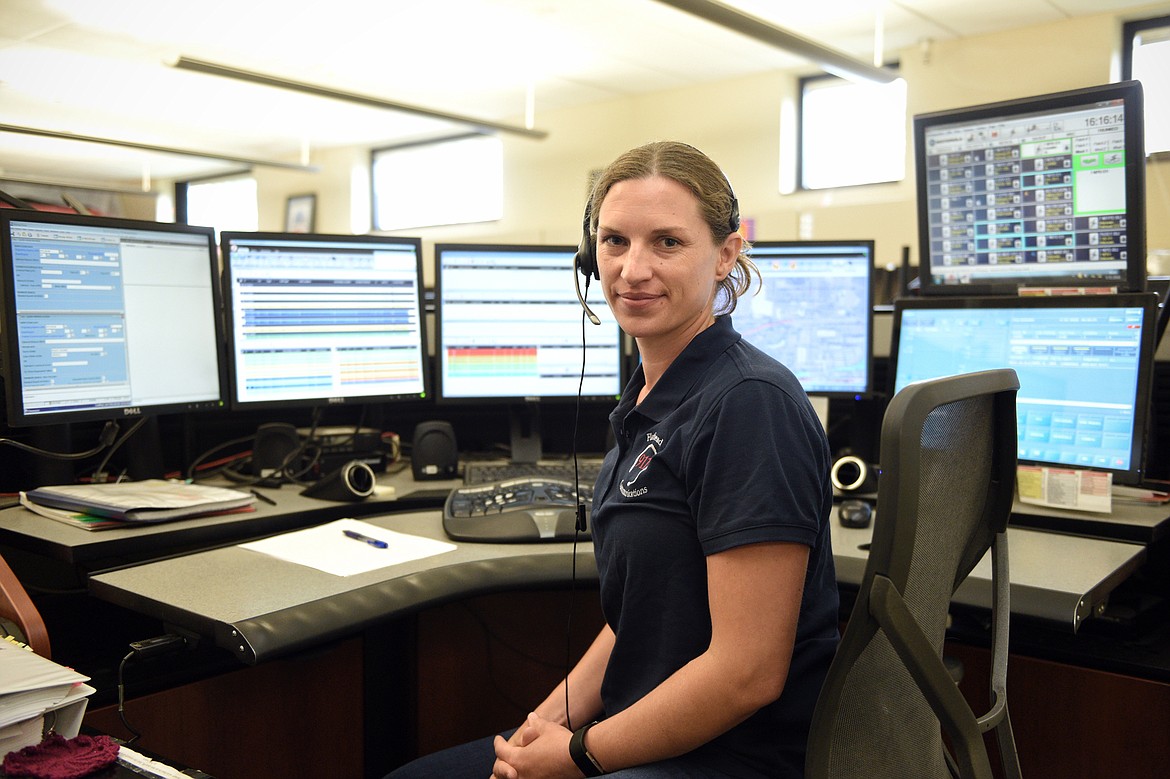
x: 282, y: 632
x: 259, y: 607
x: 1058, y: 578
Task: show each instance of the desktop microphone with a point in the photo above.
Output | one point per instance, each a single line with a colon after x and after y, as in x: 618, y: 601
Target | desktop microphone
x: 353, y: 481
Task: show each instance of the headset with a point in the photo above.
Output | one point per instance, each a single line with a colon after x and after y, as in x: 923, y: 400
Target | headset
x: 585, y: 260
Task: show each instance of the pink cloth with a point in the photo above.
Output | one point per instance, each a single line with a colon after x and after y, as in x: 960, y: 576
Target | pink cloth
x: 58, y: 757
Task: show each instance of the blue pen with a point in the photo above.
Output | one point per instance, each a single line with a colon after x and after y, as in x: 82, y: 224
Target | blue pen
x: 356, y: 536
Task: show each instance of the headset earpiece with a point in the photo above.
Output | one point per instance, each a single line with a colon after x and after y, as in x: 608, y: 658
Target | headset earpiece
x: 586, y: 259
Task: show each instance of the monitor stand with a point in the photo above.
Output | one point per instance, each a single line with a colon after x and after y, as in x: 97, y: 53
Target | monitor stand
x: 144, y: 455
x: 47, y: 471
x: 821, y: 407
x: 525, y: 426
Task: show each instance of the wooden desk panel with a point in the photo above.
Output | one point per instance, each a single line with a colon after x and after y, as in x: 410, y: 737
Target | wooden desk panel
x: 299, y: 716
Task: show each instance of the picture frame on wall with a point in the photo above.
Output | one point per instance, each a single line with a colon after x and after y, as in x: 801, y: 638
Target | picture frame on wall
x: 300, y: 214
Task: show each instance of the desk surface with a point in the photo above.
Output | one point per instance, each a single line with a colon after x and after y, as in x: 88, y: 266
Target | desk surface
x: 98, y: 549
x: 103, y: 549
x: 1058, y: 578
x: 1143, y: 523
x: 259, y: 607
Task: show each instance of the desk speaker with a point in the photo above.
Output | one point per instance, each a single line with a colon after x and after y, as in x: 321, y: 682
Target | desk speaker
x: 852, y: 474
x: 433, y: 453
x: 272, y: 446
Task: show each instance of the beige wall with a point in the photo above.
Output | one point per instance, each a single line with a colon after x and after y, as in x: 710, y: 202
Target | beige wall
x: 738, y: 124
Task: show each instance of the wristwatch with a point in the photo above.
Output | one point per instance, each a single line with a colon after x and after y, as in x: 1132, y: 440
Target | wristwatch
x: 581, y: 754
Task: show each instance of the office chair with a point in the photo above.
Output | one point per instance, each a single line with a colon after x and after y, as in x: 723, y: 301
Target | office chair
x: 948, y: 459
x: 18, y: 608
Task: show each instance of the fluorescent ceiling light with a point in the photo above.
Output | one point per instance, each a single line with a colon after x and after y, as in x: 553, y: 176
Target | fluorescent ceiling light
x: 480, y: 125
x: 831, y: 60
x: 10, y: 128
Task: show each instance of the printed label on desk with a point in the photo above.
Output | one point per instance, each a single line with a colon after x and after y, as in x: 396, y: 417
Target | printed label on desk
x: 1065, y: 488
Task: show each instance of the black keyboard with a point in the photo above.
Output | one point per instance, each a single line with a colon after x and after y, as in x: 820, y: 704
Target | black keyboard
x: 515, y: 510
x: 488, y: 472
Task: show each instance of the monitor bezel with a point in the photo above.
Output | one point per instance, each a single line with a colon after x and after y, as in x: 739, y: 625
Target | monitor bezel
x: 1140, y: 445
x: 870, y: 246
x: 14, y: 387
x: 513, y: 400
x: 330, y: 401
x: 1131, y: 94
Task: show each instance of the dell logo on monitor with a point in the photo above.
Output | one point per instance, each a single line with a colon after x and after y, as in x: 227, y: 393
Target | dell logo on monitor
x: 336, y: 401
x: 134, y: 411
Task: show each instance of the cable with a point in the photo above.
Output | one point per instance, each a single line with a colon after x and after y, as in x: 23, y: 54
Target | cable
x: 216, y: 467
x: 105, y: 438
x: 100, y: 470
x: 580, y: 525
x: 150, y: 647
x: 122, y: 699
x: 283, y: 471
x: 228, y: 466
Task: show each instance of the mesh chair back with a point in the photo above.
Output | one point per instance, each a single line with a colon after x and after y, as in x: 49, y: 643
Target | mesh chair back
x: 945, y: 491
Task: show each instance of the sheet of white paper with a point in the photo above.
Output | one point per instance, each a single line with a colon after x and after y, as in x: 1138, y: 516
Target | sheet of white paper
x: 328, y: 549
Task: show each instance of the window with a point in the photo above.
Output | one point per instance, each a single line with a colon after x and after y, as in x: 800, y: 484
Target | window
x: 454, y: 181
x: 1147, y: 59
x: 225, y: 204
x: 851, y: 133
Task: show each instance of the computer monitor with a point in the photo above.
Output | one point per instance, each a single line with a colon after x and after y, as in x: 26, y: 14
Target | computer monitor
x: 323, y: 320
x: 814, y: 312
x: 1085, y: 364
x: 108, y: 318
x: 1045, y: 191
x: 510, y: 331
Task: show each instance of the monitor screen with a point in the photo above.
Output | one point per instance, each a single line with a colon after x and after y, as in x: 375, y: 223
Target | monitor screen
x: 1085, y: 365
x: 108, y: 318
x: 1046, y: 191
x: 318, y: 320
x: 509, y: 327
x: 814, y: 312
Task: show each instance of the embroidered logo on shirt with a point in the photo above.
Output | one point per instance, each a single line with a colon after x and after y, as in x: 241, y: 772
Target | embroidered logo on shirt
x: 641, y: 463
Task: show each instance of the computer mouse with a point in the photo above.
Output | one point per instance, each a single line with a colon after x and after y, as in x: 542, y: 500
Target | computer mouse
x: 854, y: 513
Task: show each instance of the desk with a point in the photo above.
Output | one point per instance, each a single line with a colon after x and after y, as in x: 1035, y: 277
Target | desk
x: 1061, y: 579
x: 1128, y: 521
x: 90, y: 551
x: 260, y: 607
x: 96, y: 550
x: 289, y: 624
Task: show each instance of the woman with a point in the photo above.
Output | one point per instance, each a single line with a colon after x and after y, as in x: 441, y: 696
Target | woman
x: 710, y: 516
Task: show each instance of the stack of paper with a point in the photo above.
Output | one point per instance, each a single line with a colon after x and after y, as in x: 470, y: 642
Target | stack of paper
x: 100, y: 506
x: 37, y: 694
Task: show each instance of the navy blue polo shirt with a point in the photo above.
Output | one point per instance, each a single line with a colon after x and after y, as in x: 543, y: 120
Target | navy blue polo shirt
x: 726, y: 450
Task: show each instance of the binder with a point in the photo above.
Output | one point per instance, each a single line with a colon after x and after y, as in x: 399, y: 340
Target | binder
x: 151, y: 500
x: 34, y: 691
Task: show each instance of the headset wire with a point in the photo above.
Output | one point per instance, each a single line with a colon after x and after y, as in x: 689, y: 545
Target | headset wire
x: 580, y: 525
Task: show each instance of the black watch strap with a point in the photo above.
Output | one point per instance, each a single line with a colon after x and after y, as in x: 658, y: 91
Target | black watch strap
x: 581, y: 756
